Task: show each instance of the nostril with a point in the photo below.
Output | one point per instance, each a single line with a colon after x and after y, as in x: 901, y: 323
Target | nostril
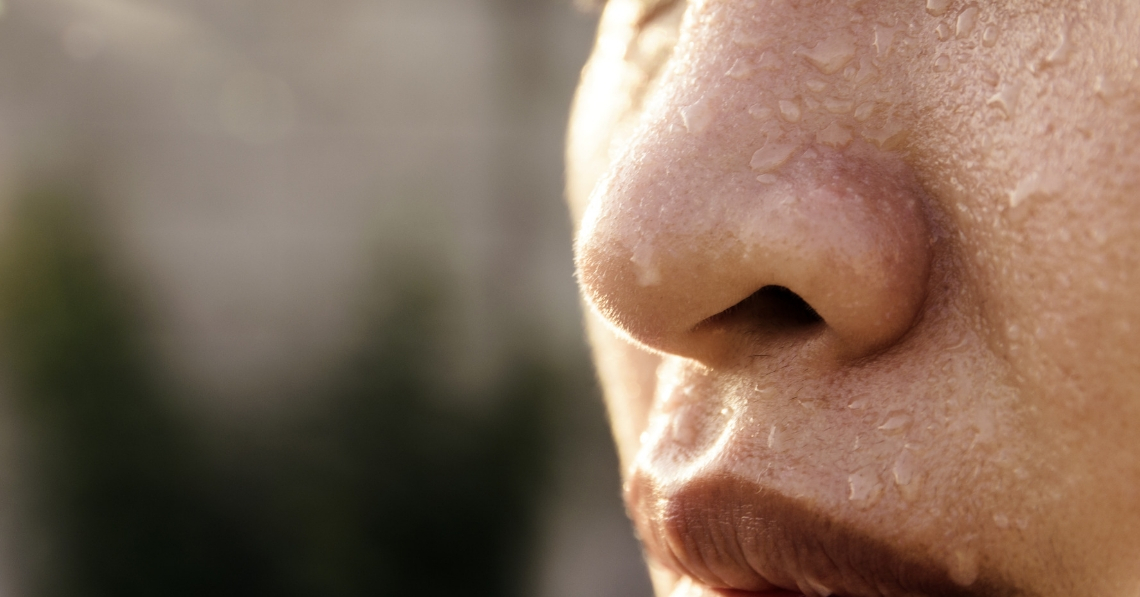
x: 690, y: 263
x: 768, y: 311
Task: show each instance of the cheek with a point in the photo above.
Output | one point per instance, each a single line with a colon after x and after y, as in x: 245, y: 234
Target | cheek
x: 628, y: 375
x: 1029, y: 143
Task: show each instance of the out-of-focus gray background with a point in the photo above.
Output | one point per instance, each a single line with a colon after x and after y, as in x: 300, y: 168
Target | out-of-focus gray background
x: 287, y: 306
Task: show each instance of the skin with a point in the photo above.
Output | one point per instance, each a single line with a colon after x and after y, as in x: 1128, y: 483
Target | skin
x: 950, y: 189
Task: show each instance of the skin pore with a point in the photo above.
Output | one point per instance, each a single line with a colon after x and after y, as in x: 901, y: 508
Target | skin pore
x: 862, y: 280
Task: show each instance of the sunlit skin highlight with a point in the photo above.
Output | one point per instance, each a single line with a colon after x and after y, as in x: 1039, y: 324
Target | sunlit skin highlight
x: 950, y: 188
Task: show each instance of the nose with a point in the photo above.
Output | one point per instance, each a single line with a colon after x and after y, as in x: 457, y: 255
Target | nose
x: 711, y: 233
x: 690, y: 260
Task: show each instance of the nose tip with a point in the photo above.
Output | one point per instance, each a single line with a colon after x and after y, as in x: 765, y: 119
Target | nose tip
x: 702, y: 263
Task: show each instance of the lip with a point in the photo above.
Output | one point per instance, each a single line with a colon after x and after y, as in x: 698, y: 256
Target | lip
x: 734, y: 538
x: 687, y: 587
x: 736, y: 593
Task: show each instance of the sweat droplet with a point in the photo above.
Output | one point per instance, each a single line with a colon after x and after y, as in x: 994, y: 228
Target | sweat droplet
x: 864, y: 488
x: 989, y: 36
x: 1006, y: 99
x: 866, y: 72
x: 895, y: 423
x: 776, y: 440
x: 647, y: 272
x: 884, y: 38
x: 834, y: 135
x: 696, y: 117
x: 816, y: 85
x: 942, y: 64
x: 769, y: 62
x: 772, y: 156
x: 790, y: 110
x: 741, y: 69
x: 963, y: 567
x: 751, y: 41
x: 942, y: 31
x: 908, y: 478
x: 938, y: 7
x: 1061, y: 52
x: 864, y: 111
x: 767, y: 178
x: 1027, y: 188
x: 760, y: 112
x: 1001, y: 520
x: 967, y: 20
x: 831, y: 54
x: 838, y: 106
x: 813, y: 587
x: 1104, y: 89
x: 684, y: 428
x: 888, y: 138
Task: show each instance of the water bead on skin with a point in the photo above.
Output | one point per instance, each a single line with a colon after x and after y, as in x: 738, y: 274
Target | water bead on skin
x: 697, y: 116
x: 938, y: 8
x: 835, y: 135
x: 772, y: 156
x: 967, y: 20
x: 790, y: 111
x: 832, y: 53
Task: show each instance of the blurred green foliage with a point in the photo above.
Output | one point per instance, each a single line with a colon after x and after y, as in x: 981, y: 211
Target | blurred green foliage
x: 383, y: 487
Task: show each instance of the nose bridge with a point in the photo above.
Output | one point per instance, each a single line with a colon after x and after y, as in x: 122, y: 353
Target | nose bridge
x: 727, y: 189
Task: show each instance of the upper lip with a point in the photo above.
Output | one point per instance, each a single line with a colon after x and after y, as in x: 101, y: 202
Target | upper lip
x: 729, y: 533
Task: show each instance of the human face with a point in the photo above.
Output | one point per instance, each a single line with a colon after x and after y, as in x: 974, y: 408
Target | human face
x: 862, y: 278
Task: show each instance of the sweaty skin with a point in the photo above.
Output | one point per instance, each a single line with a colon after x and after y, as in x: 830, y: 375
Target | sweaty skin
x: 862, y: 279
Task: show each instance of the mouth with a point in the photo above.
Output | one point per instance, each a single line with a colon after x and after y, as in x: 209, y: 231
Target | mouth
x: 691, y: 589
x: 687, y: 588
x: 724, y: 536
x: 696, y: 591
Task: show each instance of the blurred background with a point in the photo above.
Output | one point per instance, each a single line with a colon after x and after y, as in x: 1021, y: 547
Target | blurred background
x: 287, y: 306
